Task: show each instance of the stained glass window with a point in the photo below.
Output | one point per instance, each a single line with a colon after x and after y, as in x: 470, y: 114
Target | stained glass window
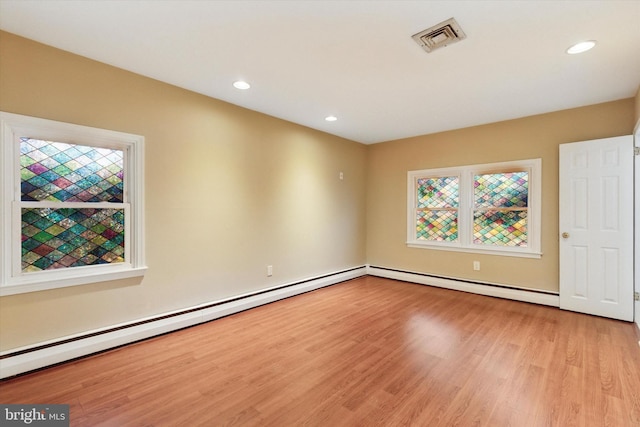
x: 441, y: 192
x: 65, y: 233
x: 71, y: 237
x: 437, y: 225
x: 500, y: 228
x: 500, y: 212
x: 437, y: 209
x: 490, y: 208
x: 501, y: 190
x: 62, y: 172
x: 73, y: 204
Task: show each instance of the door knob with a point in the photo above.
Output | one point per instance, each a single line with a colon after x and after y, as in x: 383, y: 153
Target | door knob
x: 565, y: 235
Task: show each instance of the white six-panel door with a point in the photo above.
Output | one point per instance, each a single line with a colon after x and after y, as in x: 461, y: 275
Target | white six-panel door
x: 596, y: 227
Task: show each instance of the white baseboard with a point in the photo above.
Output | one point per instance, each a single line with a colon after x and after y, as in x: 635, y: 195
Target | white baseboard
x: 494, y: 290
x: 20, y: 360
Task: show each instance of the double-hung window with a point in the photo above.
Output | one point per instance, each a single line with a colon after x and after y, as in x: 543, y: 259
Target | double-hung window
x: 71, y: 202
x: 491, y: 208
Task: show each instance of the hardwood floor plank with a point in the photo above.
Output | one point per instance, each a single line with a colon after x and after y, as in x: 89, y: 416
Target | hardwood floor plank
x: 367, y: 352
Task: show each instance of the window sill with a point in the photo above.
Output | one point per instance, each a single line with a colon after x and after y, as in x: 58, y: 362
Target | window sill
x: 36, y: 282
x: 485, y: 251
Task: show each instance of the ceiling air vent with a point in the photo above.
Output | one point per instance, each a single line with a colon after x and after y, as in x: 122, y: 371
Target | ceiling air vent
x: 441, y: 35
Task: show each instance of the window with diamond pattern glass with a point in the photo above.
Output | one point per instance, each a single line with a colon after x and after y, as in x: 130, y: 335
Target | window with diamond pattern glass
x: 65, y: 222
x: 501, y: 208
x: 437, y: 209
x: 491, y: 208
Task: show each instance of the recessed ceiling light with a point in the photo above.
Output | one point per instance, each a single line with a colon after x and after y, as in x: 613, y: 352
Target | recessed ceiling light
x: 242, y: 85
x: 581, y: 47
x: 331, y: 118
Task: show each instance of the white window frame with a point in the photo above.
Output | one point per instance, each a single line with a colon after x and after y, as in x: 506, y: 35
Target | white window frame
x: 12, y: 279
x: 465, y: 175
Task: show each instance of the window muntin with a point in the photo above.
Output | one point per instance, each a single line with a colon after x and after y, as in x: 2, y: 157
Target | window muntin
x: 493, y: 208
x: 72, y: 204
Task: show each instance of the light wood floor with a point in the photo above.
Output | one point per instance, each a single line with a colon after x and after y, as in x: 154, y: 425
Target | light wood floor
x: 368, y: 352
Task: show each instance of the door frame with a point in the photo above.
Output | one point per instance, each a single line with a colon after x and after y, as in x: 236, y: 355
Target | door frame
x: 636, y: 255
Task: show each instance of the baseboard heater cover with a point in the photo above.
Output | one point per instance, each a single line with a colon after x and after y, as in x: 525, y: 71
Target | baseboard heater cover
x: 488, y: 289
x: 26, y: 359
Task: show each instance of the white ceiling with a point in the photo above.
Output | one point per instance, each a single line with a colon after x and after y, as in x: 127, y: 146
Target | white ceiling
x: 356, y: 59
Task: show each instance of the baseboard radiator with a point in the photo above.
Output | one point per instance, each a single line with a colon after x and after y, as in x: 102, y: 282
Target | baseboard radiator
x: 26, y: 359
x: 481, y: 288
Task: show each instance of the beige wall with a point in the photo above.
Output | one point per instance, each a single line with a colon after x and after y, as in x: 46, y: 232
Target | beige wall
x: 228, y: 191
x: 531, y: 137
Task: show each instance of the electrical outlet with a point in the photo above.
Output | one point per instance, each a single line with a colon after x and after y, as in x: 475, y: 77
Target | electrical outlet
x: 476, y: 265
x: 269, y: 270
